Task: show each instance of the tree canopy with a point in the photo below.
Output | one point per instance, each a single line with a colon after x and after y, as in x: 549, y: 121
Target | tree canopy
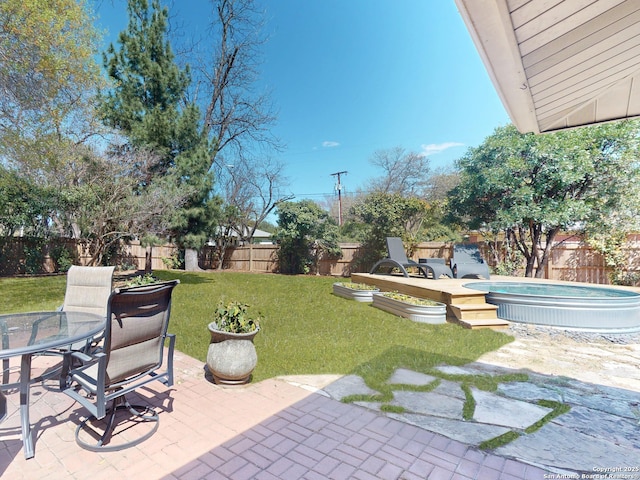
x: 533, y: 186
x: 248, y: 191
x: 169, y: 133
x: 382, y: 215
x: 148, y: 87
x: 24, y: 206
x: 305, y: 234
x: 148, y: 105
x: 237, y: 116
x: 48, y: 75
x: 107, y: 206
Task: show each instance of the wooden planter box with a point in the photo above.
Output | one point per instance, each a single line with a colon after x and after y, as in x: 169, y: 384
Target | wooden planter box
x: 354, y: 294
x: 418, y: 313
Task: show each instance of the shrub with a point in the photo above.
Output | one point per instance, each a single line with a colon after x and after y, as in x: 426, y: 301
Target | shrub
x: 175, y: 261
x: 34, y: 256
x: 62, y: 257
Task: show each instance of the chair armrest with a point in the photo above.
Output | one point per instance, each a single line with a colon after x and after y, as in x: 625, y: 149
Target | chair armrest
x: 83, y: 357
x: 70, y: 368
x: 172, y: 345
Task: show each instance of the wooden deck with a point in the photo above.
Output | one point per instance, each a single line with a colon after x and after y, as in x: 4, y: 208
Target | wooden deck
x: 465, y: 306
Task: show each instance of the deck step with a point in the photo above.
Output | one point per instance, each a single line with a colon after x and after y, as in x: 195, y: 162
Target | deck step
x: 474, y: 311
x: 478, y: 316
x: 496, y: 324
x: 472, y: 299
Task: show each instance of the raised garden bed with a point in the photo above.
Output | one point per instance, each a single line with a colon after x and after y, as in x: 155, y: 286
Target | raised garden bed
x: 360, y: 292
x: 416, y: 309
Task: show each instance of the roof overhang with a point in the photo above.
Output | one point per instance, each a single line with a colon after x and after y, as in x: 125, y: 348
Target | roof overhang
x: 559, y: 64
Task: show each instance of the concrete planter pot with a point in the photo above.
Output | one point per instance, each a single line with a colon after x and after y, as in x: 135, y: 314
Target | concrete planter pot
x: 231, y: 357
x: 435, y: 314
x: 354, y: 294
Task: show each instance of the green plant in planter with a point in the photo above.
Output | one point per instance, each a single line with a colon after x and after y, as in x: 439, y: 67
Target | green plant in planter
x: 234, y: 318
x: 357, y: 286
x: 409, y: 299
x: 140, y: 280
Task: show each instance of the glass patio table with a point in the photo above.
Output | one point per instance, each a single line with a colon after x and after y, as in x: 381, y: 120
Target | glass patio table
x: 28, y: 334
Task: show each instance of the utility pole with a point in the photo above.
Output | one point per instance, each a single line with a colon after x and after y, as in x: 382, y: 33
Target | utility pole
x: 339, y: 188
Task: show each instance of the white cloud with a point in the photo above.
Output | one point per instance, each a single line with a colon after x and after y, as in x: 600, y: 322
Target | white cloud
x: 328, y: 144
x: 434, y: 148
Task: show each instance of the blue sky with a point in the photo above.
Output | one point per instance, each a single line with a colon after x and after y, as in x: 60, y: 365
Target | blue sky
x: 350, y: 77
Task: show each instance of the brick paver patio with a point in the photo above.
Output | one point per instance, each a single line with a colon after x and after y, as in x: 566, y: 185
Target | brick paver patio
x: 268, y: 430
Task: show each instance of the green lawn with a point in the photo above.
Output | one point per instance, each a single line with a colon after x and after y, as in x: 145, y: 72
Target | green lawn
x: 305, y: 328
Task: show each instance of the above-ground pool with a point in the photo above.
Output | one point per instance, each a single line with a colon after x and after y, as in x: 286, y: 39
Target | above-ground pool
x: 580, y: 307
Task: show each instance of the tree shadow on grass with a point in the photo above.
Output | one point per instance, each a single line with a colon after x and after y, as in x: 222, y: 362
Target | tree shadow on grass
x: 377, y: 372
x: 186, y: 278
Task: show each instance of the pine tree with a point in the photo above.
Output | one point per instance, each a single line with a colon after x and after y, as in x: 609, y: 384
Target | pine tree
x: 145, y: 105
x: 148, y: 85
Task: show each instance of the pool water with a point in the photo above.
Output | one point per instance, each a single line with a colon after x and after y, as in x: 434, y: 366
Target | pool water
x: 549, y: 289
x: 578, y: 307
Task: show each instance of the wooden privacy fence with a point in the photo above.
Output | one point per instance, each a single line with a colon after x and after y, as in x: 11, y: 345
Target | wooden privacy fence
x: 250, y: 258
x: 569, y: 260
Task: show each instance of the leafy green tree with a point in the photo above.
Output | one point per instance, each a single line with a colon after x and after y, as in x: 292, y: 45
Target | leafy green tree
x: 305, y: 234
x: 48, y: 78
x: 145, y: 105
x: 608, y: 236
x: 385, y: 215
x: 534, y: 186
x: 194, y: 223
x: 24, y: 206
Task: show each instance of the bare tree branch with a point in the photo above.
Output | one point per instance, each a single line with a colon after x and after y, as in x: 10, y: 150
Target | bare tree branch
x: 405, y: 173
x: 236, y: 116
x: 250, y: 190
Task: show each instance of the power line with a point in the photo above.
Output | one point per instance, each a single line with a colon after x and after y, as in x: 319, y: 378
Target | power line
x: 328, y: 194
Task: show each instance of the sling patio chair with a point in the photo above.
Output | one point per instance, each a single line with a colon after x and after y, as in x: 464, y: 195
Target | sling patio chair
x: 132, y: 356
x: 87, y: 291
x: 398, y: 259
x: 467, y: 262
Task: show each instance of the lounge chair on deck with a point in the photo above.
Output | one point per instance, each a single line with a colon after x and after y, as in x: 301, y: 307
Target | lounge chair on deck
x: 436, y: 267
x: 467, y: 262
x: 398, y: 259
